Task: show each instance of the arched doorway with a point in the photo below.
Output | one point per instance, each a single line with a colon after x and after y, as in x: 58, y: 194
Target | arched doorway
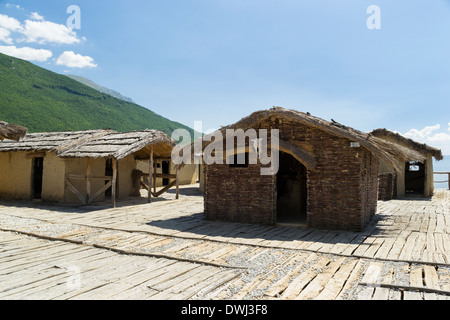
x: 291, y: 191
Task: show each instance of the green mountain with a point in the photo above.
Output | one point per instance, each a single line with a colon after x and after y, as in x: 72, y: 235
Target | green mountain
x: 44, y: 101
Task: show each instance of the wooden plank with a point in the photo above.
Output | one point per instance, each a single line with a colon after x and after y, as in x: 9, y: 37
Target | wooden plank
x: 382, y: 293
x: 337, y: 282
x: 166, y: 188
x: 216, y: 281
x: 198, y: 285
x: 415, y: 276
x: 297, y: 285
x: 406, y: 253
x: 178, y: 183
x: 313, y: 289
x: 372, y: 273
x: 72, y: 188
x: 101, y: 191
x: 431, y: 278
x: 280, y: 286
x: 164, y: 175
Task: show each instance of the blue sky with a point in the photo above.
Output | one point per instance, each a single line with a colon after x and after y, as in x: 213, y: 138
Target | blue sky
x: 219, y: 60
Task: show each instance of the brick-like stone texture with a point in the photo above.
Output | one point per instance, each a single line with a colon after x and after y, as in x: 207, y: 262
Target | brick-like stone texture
x: 342, y: 188
x: 386, y: 185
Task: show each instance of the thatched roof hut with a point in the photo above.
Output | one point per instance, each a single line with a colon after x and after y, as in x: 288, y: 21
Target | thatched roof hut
x: 119, y: 145
x: 422, y: 148
x: 383, y: 149
x: 12, y: 131
x: 410, y: 175
x: 327, y: 178
x: 95, y: 144
x: 71, y: 157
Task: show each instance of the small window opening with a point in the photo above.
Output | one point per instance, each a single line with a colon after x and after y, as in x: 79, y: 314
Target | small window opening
x: 237, y: 159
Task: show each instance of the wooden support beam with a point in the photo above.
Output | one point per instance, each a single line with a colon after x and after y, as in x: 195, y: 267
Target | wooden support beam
x: 150, y: 179
x: 88, y: 181
x: 160, y: 192
x: 161, y: 175
x: 178, y: 183
x: 81, y: 177
x: 154, y: 176
x: 165, y: 175
x: 75, y: 191
x: 33, y: 155
x: 100, y: 192
x: 114, y: 182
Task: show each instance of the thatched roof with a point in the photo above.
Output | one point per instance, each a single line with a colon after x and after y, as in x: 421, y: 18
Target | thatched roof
x: 381, y: 148
x: 409, y: 143
x: 50, y: 141
x: 12, y: 131
x: 119, y: 145
x: 95, y: 144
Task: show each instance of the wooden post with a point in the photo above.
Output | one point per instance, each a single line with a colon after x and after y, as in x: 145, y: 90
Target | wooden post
x: 150, y: 177
x: 88, y: 181
x: 114, y: 181
x: 178, y: 183
x: 154, y: 177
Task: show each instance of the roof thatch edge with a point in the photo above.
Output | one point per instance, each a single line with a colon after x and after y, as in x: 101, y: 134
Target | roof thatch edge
x: 12, y: 131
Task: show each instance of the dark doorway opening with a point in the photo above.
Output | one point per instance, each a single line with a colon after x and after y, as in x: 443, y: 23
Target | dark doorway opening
x: 38, y: 170
x: 414, y: 178
x: 291, y: 191
x: 165, y: 170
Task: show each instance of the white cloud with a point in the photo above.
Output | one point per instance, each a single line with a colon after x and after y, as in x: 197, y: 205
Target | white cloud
x: 10, y: 5
x: 5, y: 36
x: 36, y: 16
x: 73, y: 60
x: 431, y: 137
x: 9, y: 23
x: 27, y: 53
x: 39, y: 31
x: 422, y: 134
x: 46, y: 31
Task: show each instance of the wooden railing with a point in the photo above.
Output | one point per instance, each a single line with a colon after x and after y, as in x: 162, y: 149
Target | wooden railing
x: 448, y: 181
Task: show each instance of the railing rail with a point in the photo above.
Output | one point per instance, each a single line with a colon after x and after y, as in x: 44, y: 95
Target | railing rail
x: 447, y: 181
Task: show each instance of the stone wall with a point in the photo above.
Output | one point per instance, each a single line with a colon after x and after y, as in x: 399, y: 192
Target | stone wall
x: 386, y: 186
x: 342, y: 188
x: 239, y: 194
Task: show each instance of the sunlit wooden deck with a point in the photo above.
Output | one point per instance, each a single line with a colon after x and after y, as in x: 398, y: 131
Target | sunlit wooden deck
x: 165, y: 250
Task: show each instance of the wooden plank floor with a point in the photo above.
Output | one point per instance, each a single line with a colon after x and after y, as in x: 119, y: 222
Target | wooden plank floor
x: 165, y: 250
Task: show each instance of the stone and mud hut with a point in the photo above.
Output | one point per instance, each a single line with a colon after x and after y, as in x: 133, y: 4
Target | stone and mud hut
x: 327, y: 176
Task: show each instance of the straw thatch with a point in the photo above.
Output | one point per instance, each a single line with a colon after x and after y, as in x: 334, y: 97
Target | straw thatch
x: 12, y: 131
x: 120, y: 145
x: 390, y: 152
x: 50, y: 141
x: 95, y: 144
x: 409, y: 143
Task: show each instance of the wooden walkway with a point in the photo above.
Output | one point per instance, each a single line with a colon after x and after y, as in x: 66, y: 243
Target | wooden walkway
x: 165, y: 250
